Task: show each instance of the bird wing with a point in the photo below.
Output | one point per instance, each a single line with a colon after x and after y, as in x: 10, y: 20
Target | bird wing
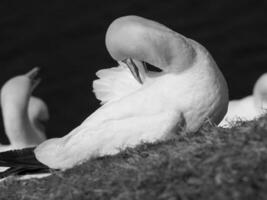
x: 114, y: 83
x: 112, y: 136
x: 20, y: 162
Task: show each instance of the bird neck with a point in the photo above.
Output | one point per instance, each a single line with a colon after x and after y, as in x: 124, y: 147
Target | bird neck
x: 38, y: 127
x: 18, y: 127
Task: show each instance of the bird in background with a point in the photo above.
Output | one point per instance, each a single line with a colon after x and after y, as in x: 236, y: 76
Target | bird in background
x: 138, y: 104
x: 23, y: 114
x: 250, y: 107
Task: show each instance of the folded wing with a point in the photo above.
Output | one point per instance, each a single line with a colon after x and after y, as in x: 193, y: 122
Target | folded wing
x: 21, y: 162
x: 114, y: 83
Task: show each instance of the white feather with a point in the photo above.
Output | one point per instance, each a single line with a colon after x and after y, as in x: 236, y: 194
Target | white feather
x: 189, y: 90
x: 114, y: 83
x: 244, y: 109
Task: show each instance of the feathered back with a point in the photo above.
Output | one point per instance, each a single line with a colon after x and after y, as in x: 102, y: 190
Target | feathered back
x: 114, y: 83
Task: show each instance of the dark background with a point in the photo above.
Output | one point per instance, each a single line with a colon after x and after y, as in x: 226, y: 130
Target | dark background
x: 66, y: 38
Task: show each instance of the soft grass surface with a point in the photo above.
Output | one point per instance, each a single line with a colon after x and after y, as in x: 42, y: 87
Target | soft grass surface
x: 215, y: 163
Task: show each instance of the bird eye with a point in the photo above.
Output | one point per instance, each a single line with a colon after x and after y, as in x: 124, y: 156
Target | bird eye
x: 152, y: 68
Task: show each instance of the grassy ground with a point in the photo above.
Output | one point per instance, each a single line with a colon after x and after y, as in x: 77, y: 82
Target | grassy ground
x: 215, y: 163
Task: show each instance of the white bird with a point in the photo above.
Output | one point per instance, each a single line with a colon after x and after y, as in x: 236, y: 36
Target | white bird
x: 138, y: 105
x: 23, y: 114
x: 250, y: 107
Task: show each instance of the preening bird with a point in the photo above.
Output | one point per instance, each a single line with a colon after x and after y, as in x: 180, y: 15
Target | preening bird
x: 250, y: 107
x: 138, y: 104
x: 22, y: 113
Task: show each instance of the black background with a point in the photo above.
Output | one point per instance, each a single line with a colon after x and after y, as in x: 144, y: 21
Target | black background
x: 66, y: 39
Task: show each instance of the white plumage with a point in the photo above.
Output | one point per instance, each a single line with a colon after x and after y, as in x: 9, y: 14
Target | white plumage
x: 114, y: 83
x: 23, y: 113
x: 250, y: 107
x: 140, y: 105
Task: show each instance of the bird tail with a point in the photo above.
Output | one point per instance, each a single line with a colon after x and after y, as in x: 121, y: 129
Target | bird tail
x: 21, y: 162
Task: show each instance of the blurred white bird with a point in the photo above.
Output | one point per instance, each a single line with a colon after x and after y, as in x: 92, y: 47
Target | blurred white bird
x: 23, y: 114
x: 250, y: 107
x: 138, y: 104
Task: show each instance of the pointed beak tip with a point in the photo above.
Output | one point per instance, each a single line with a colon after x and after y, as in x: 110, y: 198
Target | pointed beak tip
x: 33, y: 73
x: 134, y: 69
x: 33, y: 76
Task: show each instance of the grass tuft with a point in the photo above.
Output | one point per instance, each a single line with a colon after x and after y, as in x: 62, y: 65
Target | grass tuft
x: 215, y: 163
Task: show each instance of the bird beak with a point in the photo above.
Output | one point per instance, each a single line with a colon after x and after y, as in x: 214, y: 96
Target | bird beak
x: 33, y: 76
x: 137, y: 69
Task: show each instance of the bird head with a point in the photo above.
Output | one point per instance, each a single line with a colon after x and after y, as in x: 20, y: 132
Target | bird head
x: 260, y: 92
x: 17, y: 91
x: 136, y: 41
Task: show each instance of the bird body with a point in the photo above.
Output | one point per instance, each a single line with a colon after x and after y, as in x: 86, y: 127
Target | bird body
x: 22, y: 112
x: 250, y: 107
x: 139, y: 105
x: 152, y: 111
